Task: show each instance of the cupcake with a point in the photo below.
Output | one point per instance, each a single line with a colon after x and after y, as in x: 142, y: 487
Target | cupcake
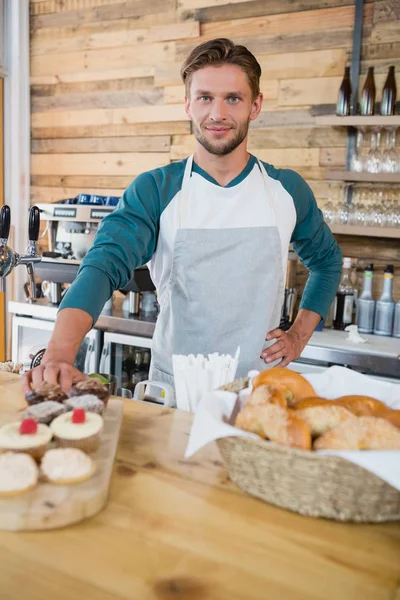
x: 45, y: 412
x: 25, y: 436
x: 65, y: 466
x: 78, y: 429
x: 46, y: 391
x: 18, y: 473
x: 90, y: 386
x: 88, y: 402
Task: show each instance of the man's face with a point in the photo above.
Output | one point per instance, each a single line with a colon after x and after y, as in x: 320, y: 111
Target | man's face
x: 220, y: 106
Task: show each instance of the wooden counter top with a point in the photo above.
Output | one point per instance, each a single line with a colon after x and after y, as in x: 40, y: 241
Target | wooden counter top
x: 180, y: 529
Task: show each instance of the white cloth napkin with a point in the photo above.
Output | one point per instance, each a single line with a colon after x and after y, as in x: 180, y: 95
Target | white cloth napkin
x: 194, y: 376
x: 216, y: 407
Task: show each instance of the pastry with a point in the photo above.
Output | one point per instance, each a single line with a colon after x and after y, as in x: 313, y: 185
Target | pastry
x: 90, y: 386
x: 248, y: 420
x: 276, y: 424
x: 324, y: 417
x: 307, y: 402
x: 45, y: 412
x: 362, y: 406
x: 294, y: 384
x: 78, y: 429
x: 66, y: 466
x: 11, y: 367
x: 46, y: 391
x: 25, y: 436
x: 362, y: 433
x: 18, y: 473
x: 88, y: 402
x: 393, y: 416
x: 267, y: 394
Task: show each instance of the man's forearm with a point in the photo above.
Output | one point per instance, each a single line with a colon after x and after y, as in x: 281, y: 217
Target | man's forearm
x: 71, y: 326
x: 304, y: 325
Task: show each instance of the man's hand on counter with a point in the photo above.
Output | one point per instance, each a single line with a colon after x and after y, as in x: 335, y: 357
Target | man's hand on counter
x: 53, y: 371
x: 57, y: 366
x: 290, y: 344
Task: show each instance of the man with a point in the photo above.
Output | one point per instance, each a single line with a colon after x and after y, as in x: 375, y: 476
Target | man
x: 215, y: 229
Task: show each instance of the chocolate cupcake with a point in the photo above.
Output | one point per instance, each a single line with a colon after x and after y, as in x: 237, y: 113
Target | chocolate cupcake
x: 89, y: 403
x: 45, y: 412
x: 90, y: 386
x: 46, y: 391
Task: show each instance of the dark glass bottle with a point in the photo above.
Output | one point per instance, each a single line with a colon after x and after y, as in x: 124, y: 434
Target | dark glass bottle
x: 344, y: 97
x: 367, y: 104
x: 389, y: 94
x: 344, y: 299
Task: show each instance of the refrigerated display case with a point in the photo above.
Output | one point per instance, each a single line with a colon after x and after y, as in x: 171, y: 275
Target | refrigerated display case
x: 30, y: 336
x: 126, y: 357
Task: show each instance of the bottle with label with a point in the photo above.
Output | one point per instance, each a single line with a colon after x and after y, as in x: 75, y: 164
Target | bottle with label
x: 396, y: 326
x: 366, y: 303
x: 344, y: 299
x: 384, y: 313
x: 344, y: 97
x: 137, y: 374
x: 145, y: 367
x: 367, y: 103
x: 389, y: 94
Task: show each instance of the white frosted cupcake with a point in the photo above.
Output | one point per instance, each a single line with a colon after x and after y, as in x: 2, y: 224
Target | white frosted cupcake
x: 25, y: 436
x: 18, y: 473
x: 78, y: 429
x: 66, y: 466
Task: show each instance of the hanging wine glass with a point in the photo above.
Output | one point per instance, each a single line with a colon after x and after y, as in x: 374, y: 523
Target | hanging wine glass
x: 328, y: 209
x: 389, y: 156
x: 357, y: 160
x: 374, y: 158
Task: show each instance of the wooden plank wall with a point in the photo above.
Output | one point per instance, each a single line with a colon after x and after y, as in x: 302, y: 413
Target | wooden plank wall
x: 107, y: 99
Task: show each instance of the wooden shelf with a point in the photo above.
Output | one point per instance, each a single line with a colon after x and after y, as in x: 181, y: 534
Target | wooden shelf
x: 385, y: 232
x: 363, y: 177
x: 358, y: 121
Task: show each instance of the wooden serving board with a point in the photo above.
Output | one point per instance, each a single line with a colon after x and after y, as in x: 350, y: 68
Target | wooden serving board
x: 49, y: 506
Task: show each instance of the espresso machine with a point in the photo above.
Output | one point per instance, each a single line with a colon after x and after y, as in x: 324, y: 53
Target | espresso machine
x: 71, y: 229
x: 10, y: 259
x: 290, y: 297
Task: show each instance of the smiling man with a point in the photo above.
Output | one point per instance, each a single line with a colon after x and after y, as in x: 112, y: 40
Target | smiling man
x: 215, y: 230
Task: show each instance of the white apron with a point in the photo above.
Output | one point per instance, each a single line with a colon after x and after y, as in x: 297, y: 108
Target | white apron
x: 225, y: 290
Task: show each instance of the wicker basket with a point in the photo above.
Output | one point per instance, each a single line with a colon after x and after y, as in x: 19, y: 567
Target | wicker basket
x: 306, y: 482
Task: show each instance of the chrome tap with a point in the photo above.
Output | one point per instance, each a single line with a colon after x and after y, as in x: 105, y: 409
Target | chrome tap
x: 10, y: 259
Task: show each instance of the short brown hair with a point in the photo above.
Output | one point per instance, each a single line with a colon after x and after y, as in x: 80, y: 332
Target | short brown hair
x: 218, y: 52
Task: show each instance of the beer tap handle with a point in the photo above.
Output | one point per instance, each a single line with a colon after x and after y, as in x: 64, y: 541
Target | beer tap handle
x: 34, y: 223
x: 5, y: 221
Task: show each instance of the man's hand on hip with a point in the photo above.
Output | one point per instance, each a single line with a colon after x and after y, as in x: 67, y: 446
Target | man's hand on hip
x: 290, y: 344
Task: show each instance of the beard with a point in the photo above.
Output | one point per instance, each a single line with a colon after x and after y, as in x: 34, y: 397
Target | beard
x: 221, y: 148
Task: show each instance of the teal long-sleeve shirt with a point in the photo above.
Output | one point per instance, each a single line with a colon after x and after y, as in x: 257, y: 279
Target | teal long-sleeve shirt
x: 128, y: 237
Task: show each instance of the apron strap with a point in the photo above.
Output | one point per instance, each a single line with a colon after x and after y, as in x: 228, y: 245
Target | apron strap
x: 185, y: 192
x: 269, y: 190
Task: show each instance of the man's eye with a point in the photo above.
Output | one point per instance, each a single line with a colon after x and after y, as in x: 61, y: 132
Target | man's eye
x: 205, y: 98
x: 233, y: 99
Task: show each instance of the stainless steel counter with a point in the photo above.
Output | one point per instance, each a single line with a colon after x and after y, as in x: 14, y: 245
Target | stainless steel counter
x: 115, y: 320
x: 378, y: 355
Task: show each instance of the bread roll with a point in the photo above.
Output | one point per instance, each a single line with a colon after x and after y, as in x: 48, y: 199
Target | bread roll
x: 267, y: 394
x: 363, y: 433
x: 298, y: 387
x: 276, y: 424
x: 307, y: 402
x: 393, y: 416
x: 362, y: 406
x: 248, y: 420
x: 324, y: 417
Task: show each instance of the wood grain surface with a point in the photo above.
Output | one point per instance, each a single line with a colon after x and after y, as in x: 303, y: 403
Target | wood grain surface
x: 50, y: 506
x: 180, y: 529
